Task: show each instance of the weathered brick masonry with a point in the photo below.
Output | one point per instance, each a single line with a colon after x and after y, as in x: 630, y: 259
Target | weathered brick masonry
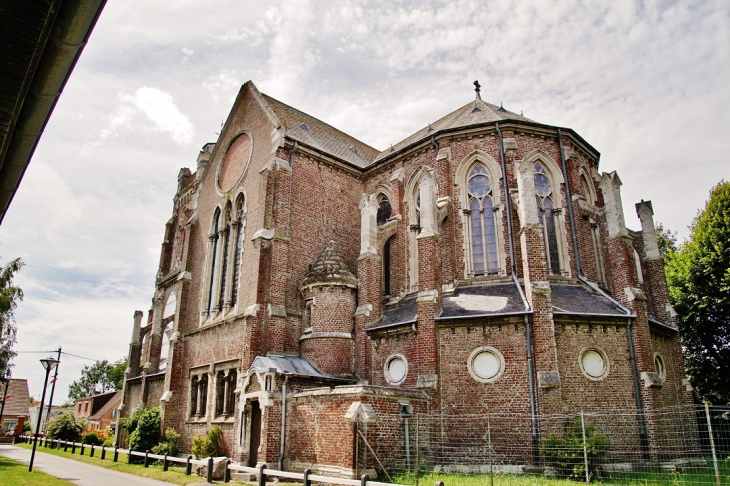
x: 314, y: 293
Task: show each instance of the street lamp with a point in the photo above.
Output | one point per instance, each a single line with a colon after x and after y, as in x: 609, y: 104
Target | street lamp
x: 48, y: 364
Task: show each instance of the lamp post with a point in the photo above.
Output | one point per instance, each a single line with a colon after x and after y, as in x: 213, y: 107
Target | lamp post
x: 48, y: 363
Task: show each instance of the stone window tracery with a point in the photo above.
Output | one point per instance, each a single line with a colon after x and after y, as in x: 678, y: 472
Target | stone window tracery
x: 239, y: 226
x: 546, y: 215
x: 225, y: 238
x: 485, y: 256
x: 225, y: 393
x: 198, y: 395
x: 213, y: 240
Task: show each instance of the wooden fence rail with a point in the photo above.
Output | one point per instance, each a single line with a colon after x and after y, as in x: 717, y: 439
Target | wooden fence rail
x: 261, y: 472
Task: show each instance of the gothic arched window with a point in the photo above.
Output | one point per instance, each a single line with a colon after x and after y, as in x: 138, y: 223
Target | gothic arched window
x: 240, y: 223
x: 485, y: 256
x: 544, y: 195
x: 384, y: 210
x: 213, y: 259
x: 226, y: 230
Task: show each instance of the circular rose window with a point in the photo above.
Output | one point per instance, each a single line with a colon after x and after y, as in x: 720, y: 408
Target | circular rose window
x: 234, y: 163
x: 396, y: 369
x: 594, y: 364
x: 486, y: 364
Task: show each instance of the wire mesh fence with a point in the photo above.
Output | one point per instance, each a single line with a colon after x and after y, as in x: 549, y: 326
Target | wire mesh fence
x: 683, y: 445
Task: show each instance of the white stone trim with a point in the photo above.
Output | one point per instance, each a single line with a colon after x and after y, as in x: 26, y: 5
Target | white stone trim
x: 477, y: 352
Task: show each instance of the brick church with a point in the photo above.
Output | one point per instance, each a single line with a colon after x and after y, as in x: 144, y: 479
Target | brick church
x: 481, y: 265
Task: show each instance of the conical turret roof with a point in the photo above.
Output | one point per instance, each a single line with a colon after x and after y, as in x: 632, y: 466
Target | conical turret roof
x: 330, y: 269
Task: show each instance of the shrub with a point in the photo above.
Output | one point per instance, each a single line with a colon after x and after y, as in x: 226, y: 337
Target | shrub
x: 66, y: 427
x: 146, y: 435
x: 169, y: 444
x: 109, y: 442
x: 207, y: 445
x: 565, y: 453
x: 91, y: 438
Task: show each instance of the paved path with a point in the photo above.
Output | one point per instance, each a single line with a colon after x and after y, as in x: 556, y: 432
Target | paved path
x: 75, y: 471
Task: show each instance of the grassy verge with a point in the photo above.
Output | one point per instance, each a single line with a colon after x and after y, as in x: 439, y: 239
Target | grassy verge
x: 16, y: 474
x: 174, y: 475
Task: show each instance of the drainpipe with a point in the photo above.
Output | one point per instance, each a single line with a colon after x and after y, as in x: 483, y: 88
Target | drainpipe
x: 637, y: 391
x: 631, y: 316
x: 291, y: 185
x: 283, y: 424
x: 435, y: 145
x: 528, y: 325
x: 570, y: 204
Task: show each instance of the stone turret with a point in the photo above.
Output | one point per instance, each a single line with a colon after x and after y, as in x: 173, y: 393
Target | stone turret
x: 330, y: 298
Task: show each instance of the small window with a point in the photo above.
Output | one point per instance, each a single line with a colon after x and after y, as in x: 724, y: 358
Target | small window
x: 396, y: 369
x: 585, y: 185
x: 661, y: 370
x: 384, y: 211
x: 114, y: 414
x: 486, y: 364
x: 594, y: 364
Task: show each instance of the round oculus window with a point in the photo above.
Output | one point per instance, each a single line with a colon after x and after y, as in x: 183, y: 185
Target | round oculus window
x: 594, y: 364
x: 396, y: 369
x: 486, y: 364
x: 235, y: 162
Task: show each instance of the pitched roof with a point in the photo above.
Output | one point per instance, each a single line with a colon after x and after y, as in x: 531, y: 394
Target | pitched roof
x: 19, y: 402
x: 113, y: 401
x: 98, y: 395
x: 473, y: 113
x: 317, y: 134
x: 578, y: 299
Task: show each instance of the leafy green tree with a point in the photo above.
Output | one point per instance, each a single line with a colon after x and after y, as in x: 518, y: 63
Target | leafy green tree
x: 667, y: 240
x: 100, y: 377
x: 698, y: 275
x: 10, y: 295
x: 143, y: 427
x: 66, y: 427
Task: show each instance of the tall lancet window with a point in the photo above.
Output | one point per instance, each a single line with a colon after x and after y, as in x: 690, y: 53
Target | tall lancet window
x: 240, y: 223
x: 224, y: 266
x: 544, y: 194
x: 213, y: 259
x: 481, y: 215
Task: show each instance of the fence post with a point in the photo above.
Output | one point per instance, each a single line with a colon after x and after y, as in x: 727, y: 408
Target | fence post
x: 188, y: 466
x: 91, y: 453
x: 439, y: 483
x: 129, y: 455
x: 262, y: 475
x: 227, y: 472
x: 116, y: 453
x: 364, y: 480
x: 103, y: 452
x: 65, y: 446
x: 82, y: 449
x: 73, y: 447
x: 164, y: 463
x: 307, y: 482
x: 712, y: 443
x: 585, y: 446
x: 209, y: 476
x: 147, y: 458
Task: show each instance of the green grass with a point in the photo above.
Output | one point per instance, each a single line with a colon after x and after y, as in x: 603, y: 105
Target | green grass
x: 14, y: 473
x: 173, y: 475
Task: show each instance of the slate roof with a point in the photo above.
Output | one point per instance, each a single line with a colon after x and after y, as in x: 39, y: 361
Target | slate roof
x: 331, y: 268
x: 577, y: 299
x: 289, y: 365
x: 483, y: 300
x: 317, y: 134
x: 405, y: 312
x: 113, y: 402
x: 19, y: 402
x: 474, y: 113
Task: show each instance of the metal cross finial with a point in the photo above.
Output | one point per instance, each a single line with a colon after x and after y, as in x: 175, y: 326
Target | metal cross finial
x: 477, y: 88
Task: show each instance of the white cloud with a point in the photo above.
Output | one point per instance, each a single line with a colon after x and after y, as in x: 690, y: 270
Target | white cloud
x: 159, y: 107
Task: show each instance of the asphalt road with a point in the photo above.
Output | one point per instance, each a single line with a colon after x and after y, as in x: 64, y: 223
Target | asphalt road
x: 75, y: 471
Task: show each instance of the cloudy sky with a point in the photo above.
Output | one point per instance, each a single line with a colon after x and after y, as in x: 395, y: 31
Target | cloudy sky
x: 644, y: 82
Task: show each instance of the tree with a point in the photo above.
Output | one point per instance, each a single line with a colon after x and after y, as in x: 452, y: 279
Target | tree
x: 66, y: 427
x: 98, y: 378
x: 10, y: 295
x: 698, y: 275
x: 667, y: 240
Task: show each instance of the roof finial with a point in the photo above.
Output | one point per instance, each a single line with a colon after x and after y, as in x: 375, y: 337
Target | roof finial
x: 477, y: 88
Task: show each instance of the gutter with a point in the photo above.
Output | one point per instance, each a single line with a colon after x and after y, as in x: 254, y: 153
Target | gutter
x: 283, y: 424
x: 71, y: 30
